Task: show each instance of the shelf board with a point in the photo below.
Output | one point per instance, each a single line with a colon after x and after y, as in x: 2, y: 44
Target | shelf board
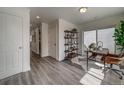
x: 71, y: 50
x: 71, y: 44
x: 70, y: 38
x: 70, y: 31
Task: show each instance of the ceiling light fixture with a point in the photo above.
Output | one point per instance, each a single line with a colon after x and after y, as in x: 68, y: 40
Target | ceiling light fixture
x: 83, y: 9
x: 38, y: 17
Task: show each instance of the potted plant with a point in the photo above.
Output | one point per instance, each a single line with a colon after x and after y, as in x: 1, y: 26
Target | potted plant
x: 119, y: 36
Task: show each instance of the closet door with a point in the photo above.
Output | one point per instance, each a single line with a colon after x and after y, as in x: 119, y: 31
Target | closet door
x: 2, y: 46
x: 52, y: 42
x: 10, y: 45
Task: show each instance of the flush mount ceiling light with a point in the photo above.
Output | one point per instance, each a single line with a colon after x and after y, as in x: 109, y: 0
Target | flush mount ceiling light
x: 83, y: 9
x: 38, y: 17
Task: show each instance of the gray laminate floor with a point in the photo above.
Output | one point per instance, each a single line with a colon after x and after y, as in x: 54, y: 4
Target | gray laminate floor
x: 48, y: 71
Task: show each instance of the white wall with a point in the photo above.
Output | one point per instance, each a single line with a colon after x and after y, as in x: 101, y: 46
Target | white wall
x: 24, y: 14
x: 63, y: 25
x: 44, y: 40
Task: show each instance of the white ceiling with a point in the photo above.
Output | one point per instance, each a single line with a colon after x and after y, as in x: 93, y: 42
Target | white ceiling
x: 72, y: 14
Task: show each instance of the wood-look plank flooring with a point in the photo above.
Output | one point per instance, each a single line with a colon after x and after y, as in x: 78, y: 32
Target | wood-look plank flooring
x: 48, y: 71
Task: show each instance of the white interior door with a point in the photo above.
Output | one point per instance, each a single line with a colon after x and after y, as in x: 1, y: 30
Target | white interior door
x: 52, y: 42
x: 2, y: 46
x: 10, y: 45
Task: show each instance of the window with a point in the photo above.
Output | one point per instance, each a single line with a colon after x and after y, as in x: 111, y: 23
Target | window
x: 104, y: 35
x: 89, y: 37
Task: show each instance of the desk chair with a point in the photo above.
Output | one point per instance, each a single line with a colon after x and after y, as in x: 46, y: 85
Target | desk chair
x: 115, y: 60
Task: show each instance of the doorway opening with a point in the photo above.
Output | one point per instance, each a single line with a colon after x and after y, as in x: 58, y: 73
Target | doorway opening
x: 35, y: 40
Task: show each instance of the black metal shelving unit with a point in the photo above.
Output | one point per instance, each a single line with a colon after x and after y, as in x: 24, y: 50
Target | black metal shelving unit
x: 71, y: 43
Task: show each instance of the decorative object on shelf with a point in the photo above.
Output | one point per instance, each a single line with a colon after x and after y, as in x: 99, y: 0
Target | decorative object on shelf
x: 119, y: 36
x: 71, y: 43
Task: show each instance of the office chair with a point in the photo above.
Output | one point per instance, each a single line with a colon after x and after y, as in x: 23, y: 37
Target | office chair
x: 115, y: 60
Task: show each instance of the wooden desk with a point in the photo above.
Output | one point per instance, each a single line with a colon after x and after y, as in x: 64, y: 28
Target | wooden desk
x: 104, y: 52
